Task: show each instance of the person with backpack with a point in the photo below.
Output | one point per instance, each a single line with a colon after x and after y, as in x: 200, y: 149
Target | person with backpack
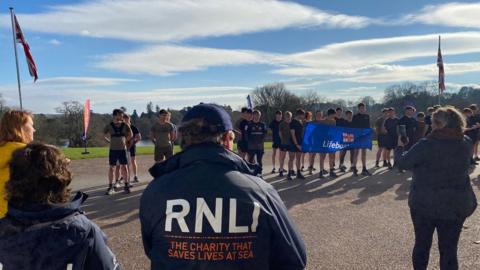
x: 43, y: 228
x: 118, y: 133
x: 207, y: 209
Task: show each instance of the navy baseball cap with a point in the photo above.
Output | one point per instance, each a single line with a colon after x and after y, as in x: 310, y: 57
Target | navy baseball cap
x: 213, y: 114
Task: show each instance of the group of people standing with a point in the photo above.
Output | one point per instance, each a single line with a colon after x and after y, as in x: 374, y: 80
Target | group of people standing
x: 123, y: 137
x: 287, y: 131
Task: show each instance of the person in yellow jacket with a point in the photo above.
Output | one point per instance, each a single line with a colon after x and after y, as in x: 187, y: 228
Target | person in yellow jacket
x: 16, y: 130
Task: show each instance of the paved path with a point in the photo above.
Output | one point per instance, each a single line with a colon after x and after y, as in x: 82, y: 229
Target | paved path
x: 347, y: 223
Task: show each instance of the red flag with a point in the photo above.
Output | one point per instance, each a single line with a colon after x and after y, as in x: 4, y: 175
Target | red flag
x: 32, y: 68
x: 441, y: 71
x: 86, y: 118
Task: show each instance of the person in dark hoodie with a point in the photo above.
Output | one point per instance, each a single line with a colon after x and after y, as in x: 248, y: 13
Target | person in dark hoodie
x: 441, y: 196
x: 207, y: 210
x: 42, y: 229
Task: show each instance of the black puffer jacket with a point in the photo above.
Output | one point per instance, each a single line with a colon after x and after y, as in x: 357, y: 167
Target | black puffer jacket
x: 441, y: 186
x: 206, y: 210
x: 53, y: 237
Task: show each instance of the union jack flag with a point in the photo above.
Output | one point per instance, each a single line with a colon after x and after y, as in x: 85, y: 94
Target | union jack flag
x: 441, y: 71
x: 32, y: 68
x: 348, y: 138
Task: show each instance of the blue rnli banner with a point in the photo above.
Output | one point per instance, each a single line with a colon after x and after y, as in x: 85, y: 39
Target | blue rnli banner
x: 319, y: 138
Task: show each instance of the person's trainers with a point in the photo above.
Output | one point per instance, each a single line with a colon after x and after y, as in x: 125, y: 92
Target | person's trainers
x: 135, y: 179
x: 302, y: 169
x: 110, y: 191
x: 289, y: 177
x: 280, y: 174
x: 321, y: 176
x: 126, y: 189
x: 333, y: 174
x: 274, y: 171
x: 117, y: 184
x: 324, y: 171
x: 385, y: 163
x: 354, y: 171
x: 300, y: 175
x: 310, y: 170
x: 377, y: 164
x: 343, y: 168
x: 365, y: 172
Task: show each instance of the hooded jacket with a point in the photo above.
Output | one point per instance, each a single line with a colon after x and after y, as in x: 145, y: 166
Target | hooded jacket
x: 53, y: 237
x: 6, y: 151
x: 206, y: 209
x: 441, y: 187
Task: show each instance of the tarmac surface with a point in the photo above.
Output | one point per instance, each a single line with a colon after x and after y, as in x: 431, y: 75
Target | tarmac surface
x: 347, y: 222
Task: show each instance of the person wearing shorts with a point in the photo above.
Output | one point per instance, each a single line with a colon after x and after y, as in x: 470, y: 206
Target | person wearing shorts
x: 256, y: 132
x: 381, y: 138
x: 274, y: 127
x: 296, y: 139
x: 284, y: 132
x: 361, y: 120
x: 162, y: 134
x: 240, y: 128
x: 391, y: 126
x: 132, y: 147
x: 117, y: 133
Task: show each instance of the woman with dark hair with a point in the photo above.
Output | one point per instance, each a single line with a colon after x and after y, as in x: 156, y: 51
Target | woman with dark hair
x: 441, y: 196
x: 42, y: 229
x: 16, y: 130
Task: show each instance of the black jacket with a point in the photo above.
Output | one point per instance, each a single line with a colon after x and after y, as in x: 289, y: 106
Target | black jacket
x: 53, y: 237
x: 205, y: 209
x: 441, y: 186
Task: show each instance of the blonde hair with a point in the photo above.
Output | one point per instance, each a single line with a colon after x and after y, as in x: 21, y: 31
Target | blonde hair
x: 11, y: 126
x: 449, y: 117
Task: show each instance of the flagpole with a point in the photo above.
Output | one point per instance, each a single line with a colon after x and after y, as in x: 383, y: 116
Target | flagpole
x: 439, y: 90
x: 16, y: 58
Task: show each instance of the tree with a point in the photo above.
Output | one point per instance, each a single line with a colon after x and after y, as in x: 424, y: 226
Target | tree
x: 272, y: 97
x: 72, y: 116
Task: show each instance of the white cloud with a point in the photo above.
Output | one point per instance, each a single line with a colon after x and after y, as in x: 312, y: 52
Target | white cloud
x: 146, y: 20
x: 82, y: 81
x: 43, y: 98
x: 55, y: 42
x: 450, y: 14
x: 370, y: 60
x: 167, y: 59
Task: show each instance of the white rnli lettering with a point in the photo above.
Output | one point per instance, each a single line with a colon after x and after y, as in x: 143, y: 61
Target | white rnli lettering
x: 214, y: 220
x: 179, y: 216
x: 204, y: 212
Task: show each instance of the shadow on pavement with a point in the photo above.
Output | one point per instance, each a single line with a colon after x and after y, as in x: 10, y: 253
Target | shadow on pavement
x: 114, y: 210
x: 302, y: 191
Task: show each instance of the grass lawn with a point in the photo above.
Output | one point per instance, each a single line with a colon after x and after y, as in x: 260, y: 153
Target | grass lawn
x: 102, y: 152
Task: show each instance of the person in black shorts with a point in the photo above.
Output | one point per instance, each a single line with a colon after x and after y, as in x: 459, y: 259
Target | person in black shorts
x: 411, y: 126
x: 476, y: 119
x: 472, y: 129
x: 361, y: 120
x: 345, y: 122
x: 240, y: 128
x: 275, y: 129
x: 117, y: 133
x: 255, y: 136
x: 381, y: 138
x: 132, y: 147
x: 391, y: 126
x: 296, y: 139
x: 284, y: 132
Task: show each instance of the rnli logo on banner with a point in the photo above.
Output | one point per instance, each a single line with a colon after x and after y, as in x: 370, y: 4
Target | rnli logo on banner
x: 348, y: 138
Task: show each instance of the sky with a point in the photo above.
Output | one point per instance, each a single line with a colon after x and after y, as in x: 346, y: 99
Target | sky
x: 179, y: 53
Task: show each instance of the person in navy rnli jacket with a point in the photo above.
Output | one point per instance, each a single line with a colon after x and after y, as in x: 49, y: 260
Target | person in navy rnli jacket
x: 207, y: 210
x: 42, y: 229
